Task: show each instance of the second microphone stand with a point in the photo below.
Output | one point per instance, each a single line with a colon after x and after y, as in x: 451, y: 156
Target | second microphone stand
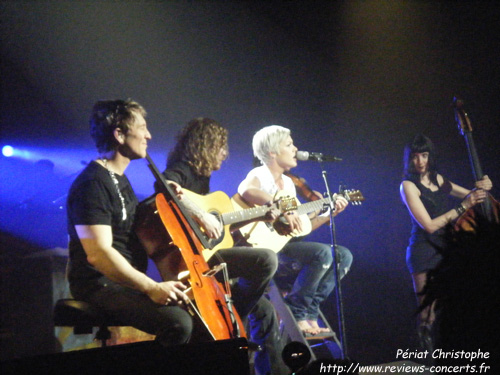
x: 336, y: 261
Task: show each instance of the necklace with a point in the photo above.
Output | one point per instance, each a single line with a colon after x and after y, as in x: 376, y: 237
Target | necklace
x: 115, y: 181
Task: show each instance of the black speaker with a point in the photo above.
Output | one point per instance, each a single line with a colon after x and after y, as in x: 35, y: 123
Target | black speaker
x: 28, y: 288
x: 226, y: 357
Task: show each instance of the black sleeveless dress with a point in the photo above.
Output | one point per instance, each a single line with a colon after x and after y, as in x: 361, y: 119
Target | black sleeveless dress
x: 422, y: 252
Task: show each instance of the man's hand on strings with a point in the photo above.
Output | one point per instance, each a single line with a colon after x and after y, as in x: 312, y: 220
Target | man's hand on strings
x: 169, y: 293
x: 211, y: 225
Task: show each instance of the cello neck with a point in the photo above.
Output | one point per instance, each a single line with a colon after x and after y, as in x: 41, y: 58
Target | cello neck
x: 473, y: 156
x: 465, y: 127
x: 167, y: 191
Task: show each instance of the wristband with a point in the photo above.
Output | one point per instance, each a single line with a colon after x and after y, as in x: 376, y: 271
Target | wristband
x: 460, y: 209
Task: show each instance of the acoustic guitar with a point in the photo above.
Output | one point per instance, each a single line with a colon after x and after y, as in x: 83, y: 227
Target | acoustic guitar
x: 263, y: 234
x: 219, y: 204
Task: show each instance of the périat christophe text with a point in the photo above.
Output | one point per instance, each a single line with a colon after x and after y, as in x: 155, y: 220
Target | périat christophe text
x: 441, y: 354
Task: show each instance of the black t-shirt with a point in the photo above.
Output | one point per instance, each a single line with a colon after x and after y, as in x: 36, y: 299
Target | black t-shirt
x: 93, y: 200
x: 182, y: 173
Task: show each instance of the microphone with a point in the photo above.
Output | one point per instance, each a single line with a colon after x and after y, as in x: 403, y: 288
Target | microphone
x: 315, y: 156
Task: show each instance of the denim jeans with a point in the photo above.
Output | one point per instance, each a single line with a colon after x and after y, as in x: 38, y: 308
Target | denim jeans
x: 316, y: 276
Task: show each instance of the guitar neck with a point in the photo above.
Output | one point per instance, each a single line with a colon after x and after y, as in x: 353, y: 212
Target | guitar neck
x: 247, y: 214
x: 313, y: 206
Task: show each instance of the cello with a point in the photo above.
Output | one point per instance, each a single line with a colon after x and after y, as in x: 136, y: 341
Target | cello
x: 489, y: 207
x: 182, y: 235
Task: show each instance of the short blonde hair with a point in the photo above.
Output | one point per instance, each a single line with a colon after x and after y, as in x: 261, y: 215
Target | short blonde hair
x: 267, y: 140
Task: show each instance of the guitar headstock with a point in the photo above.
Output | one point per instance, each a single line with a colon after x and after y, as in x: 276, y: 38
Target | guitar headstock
x: 287, y: 203
x: 353, y: 196
x: 461, y: 117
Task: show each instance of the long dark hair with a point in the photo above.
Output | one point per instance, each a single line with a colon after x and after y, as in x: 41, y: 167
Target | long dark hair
x: 419, y: 143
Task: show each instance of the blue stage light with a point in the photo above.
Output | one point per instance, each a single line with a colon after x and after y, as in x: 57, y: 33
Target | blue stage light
x: 7, y: 151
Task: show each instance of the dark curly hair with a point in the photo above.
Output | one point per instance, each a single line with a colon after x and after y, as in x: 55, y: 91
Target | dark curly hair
x: 107, y: 115
x: 198, y: 144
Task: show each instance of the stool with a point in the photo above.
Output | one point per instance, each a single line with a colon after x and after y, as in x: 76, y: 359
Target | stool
x: 291, y: 331
x: 83, y: 317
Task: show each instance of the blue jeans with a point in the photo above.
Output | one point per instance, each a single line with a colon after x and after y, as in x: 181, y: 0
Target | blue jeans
x: 312, y: 263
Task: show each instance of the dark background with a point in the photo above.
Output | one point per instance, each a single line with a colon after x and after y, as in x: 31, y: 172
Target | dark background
x: 354, y: 79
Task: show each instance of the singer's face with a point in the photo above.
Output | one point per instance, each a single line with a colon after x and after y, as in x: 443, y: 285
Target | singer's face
x: 286, y: 158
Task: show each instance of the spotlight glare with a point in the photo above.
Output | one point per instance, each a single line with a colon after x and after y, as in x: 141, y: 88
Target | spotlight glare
x: 7, y: 151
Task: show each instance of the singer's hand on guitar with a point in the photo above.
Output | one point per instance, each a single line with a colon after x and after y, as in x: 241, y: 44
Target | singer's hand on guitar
x: 340, y: 203
x: 293, y: 220
x: 288, y: 223
x: 484, y: 183
x: 272, y: 214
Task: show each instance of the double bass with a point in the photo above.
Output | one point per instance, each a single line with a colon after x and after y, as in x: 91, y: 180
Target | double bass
x: 177, y: 233
x: 490, y: 207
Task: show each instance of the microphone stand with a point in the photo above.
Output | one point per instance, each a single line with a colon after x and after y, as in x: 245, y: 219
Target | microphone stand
x: 338, y: 290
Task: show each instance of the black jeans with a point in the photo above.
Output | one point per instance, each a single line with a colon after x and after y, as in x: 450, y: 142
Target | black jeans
x: 253, y: 268
x: 171, y: 324
x: 264, y: 331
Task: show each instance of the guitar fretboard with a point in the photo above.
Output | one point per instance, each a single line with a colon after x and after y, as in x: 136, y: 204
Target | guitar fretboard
x: 244, y: 215
x: 314, y: 206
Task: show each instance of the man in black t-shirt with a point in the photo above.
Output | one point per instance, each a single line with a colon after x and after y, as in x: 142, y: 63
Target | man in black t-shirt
x: 105, y: 267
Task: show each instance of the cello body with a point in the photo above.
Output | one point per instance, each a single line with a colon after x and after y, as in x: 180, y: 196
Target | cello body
x: 175, y: 244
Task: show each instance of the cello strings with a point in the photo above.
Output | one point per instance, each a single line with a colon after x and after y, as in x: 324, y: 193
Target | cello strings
x: 193, y: 310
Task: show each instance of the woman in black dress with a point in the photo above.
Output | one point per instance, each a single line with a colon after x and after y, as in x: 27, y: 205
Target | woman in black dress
x: 425, y: 193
